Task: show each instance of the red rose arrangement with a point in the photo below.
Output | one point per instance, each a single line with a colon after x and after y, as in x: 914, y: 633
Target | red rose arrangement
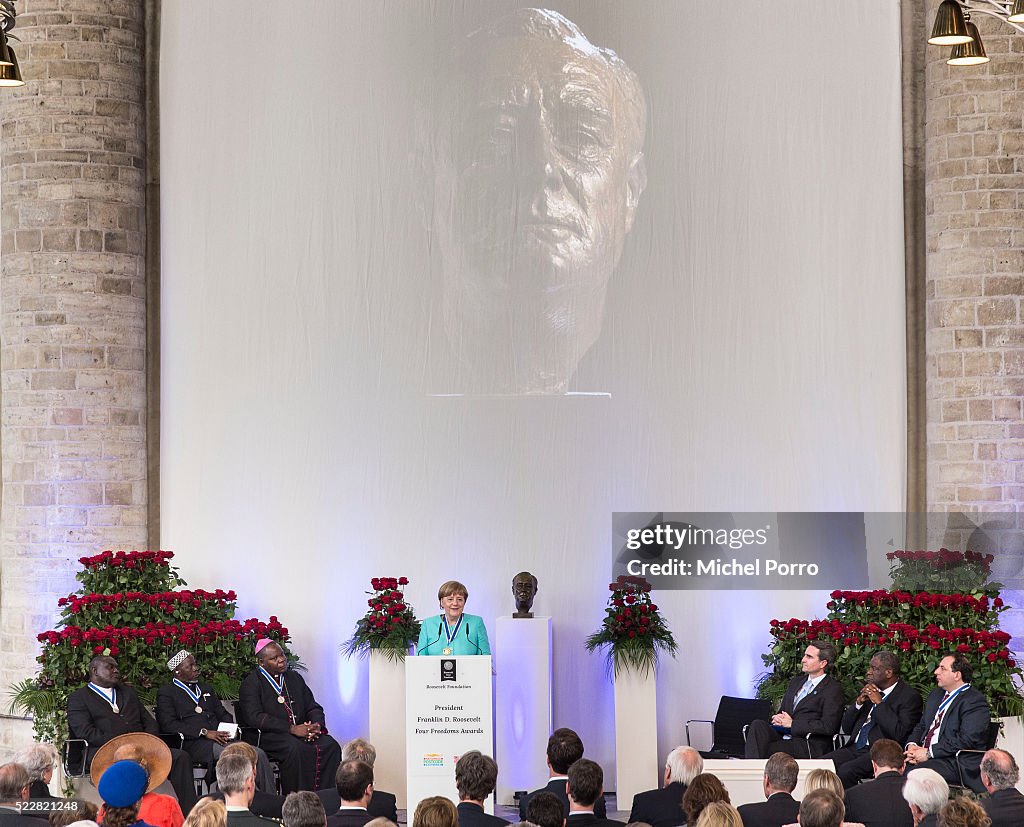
x: 389, y: 625
x: 633, y: 632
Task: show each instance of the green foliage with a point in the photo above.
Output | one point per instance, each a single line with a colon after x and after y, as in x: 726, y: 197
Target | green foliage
x: 633, y: 633
x: 389, y: 625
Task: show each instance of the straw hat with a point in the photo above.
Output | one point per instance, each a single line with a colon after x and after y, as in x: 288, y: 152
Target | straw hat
x: 153, y: 753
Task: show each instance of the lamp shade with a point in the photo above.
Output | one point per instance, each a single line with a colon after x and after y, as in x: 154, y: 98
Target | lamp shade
x: 969, y: 54
x: 10, y: 73
x: 1017, y: 12
x: 5, y: 51
x: 950, y: 27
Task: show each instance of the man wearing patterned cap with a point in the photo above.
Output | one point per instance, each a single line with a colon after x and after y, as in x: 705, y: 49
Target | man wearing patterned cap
x: 188, y: 707
x: 277, y: 701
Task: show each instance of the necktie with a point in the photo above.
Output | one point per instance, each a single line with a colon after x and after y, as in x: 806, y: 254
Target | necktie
x: 805, y: 690
x: 935, y: 724
x: 862, y: 735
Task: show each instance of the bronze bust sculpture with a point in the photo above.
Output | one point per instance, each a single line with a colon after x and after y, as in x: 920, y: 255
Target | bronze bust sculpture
x: 524, y: 589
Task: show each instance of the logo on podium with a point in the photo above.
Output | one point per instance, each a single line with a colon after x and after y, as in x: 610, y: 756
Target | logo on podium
x: 447, y: 669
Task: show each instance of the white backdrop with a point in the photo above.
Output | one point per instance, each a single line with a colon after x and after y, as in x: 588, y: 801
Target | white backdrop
x: 751, y: 354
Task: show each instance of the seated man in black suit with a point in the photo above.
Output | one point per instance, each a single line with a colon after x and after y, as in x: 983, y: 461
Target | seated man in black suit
x: 236, y: 779
x: 105, y: 708
x: 276, y: 700
x: 812, y: 705
x: 886, y: 707
x: 354, y: 780
x: 382, y: 804
x: 545, y: 810
x: 476, y: 775
x: 585, y: 787
x: 564, y: 748
x: 664, y: 807
x: 780, y: 776
x: 999, y: 776
x: 821, y: 808
x: 190, y: 708
x: 956, y: 716
x: 303, y: 809
x: 925, y: 791
x: 14, y: 785
x: 880, y: 803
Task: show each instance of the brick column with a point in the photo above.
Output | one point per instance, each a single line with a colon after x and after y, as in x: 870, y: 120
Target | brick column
x: 72, y: 310
x: 975, y: 279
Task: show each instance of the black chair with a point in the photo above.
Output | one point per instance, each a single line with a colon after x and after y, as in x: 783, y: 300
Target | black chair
x: 991, y: 736
x: 728, y: 730
x: 74, y: 757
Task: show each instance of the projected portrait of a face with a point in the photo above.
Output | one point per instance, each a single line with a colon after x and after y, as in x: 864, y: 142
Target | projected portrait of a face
x: 538, y: 179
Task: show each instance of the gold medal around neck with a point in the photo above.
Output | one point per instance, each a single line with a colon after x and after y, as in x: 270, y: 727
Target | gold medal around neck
x: 199, y: 709
x: 446, y: 651
x: 114, y: 707
x: 280, y: 699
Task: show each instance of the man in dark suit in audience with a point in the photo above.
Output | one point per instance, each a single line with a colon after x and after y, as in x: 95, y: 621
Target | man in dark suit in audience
x: 780, y: 776
x: 263, y: 804
x: 812, y: 705
x: 925, y: 791
x: 545, y: 810
x: 880, y: 803
x: 355, y: 786
x: 821, y: 808
x: 999, y: 775
x: 564, y: 749
x: 236, y: 779
x: 303, y: 809
x: 14, y: 784
x: 664, y: 807
x: 476, y: 775
x: 956, y: 716
x: 585, y: 787
x: 105, y: 708
x: 886, y: 707
x: 382, y: 804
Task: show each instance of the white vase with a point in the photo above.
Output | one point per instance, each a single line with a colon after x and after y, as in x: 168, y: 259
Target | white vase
x: 636, y: 736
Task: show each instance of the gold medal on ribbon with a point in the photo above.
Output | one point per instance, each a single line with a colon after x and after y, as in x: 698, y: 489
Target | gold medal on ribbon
x: 280, y: 699
x: 446, y: 651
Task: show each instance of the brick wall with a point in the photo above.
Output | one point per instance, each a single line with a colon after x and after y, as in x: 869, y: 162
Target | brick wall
x: 72, y: 310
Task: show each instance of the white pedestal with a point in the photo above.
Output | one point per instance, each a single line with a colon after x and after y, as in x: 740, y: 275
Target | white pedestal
x: 1012, y: 740
x: 744, y: 779
x: 522, y: 703
x: 636, y: 736
x: 387, y: 724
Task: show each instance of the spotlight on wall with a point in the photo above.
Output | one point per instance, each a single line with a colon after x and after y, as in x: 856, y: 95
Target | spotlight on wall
x: 10, y: 71
x: 953, y: 27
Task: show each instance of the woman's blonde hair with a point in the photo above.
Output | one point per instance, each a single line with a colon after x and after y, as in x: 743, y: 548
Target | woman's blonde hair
x: 208, y: 812
x: 452, y: 587
x: 822, y: 779
x: 436, y: 811
x: 719, y: 814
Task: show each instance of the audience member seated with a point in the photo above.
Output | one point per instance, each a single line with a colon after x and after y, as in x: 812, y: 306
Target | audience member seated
x: 105, y: 708
x: 263, y: 804
x: 276, y: 700
x: 154, y: 757
x: 354, y: 781
x: 700, y: 792
x: 719, y: 814
x: 14, y: 786
x: 122, y: 786
x: 820, y: 779
x: 780, y: 776
x: 886, y: 707
x: 585, y: 787
x: 191, y: 708
x: 821, y: 808
x: 476, y: 775
x: 962, y: 812
x: 380, y: 821
x: 236, y: 778
x: 880, y: 803
x: 999, y: 776
x: 39, y: 760
x: 564, y: 748
x: 381, y: 803
x: 436, y: 811
x: 925, y: 791
x: 812, y: 705
x: 208, y: 812
x: 545, y: 810
x: 303, y: 809
x: 956, y: 716
x: 664, y: 807
x: 78, y: 811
